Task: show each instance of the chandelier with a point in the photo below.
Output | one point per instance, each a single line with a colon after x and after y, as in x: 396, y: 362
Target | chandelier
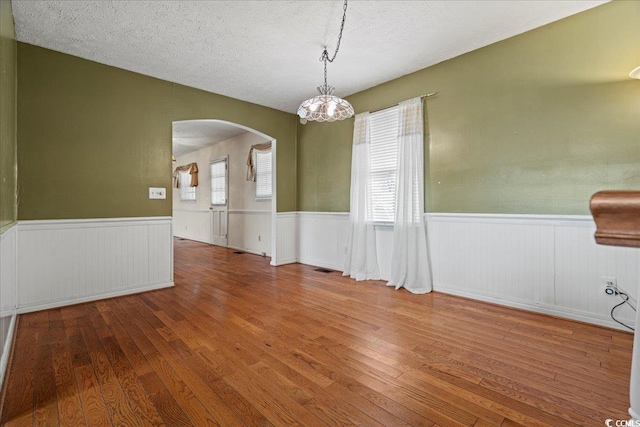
x: 326, y: 107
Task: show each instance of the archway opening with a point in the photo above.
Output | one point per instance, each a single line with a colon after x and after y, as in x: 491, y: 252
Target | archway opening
x: 229, y: 206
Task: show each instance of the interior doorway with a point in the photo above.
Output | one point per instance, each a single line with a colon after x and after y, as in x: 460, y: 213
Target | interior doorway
x: 219, y: 210
x: 234, y: 202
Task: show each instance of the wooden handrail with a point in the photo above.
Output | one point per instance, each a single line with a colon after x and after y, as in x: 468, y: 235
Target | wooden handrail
x: 617, y: 217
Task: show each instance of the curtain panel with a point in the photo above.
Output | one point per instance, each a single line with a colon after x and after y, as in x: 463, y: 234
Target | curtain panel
x: 361, y: 262
x: 410, y: 267
x: 251, y: 166
x: 192, y: 168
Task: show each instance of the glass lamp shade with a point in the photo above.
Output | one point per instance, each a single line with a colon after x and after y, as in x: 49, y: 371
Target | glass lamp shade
x: 635, y: 74
x: 325, y: 107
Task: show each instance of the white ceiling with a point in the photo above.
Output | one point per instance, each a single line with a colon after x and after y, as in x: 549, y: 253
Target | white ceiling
x: 192, y: 135
x: 267, y: 52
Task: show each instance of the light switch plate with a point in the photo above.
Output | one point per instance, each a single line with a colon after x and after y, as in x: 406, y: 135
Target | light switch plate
x: 157, y: 193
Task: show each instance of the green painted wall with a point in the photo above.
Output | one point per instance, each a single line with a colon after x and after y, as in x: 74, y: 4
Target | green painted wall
x: 8, y: 88
x: 93, y: 138
x: 533, y: 124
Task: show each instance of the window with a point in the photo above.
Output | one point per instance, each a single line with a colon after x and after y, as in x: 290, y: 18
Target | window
x: 219, y: 182
x: 187, y: 192
x: 383, y: 128
x: 264, y: 184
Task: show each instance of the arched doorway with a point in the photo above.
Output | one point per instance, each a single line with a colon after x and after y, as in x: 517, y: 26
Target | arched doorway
x: 250, y: 219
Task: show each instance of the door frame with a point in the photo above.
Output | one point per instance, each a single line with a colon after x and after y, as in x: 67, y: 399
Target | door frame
x: 224, y: 159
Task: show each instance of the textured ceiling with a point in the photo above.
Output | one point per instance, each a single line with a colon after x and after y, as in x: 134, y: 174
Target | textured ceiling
x: 192, y: 135
x: 267, y: 52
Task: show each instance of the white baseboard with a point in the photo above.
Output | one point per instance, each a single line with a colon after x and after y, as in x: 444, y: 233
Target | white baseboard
x: 96, y: 297
x: 283, y: 262
x: 542, y: 309
x: 249, y: 251
x: 321, y: 264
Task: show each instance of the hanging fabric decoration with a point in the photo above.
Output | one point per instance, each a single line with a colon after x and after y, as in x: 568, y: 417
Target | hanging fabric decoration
x: 192, y: 168
x: 251, y: 167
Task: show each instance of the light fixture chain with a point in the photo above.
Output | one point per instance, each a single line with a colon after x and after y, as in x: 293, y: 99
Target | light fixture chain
x: 325, y: 54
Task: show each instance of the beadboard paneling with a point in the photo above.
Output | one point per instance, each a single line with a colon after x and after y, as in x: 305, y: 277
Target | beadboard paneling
x: 286, y: 247
x: 192, y: 224
x: 580, y: 266
x: 513, y: 261
x: 69, y: 261
x: 250, y: 231
x: 322, y: 239
x: 8, y: 242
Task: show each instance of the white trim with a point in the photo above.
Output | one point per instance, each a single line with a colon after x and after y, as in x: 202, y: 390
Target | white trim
x: 7, y: 227
x: 564, y: 313
x: 249, y: 251
x: 8, y: 346
x: 565, y: 220
x: 191, y: 210
x: 336, y: 215
x: 249, y: 212
x: 321, y: 264
x: 289, y: 214
x: 52, y: 224
x: 195, y: 240
x: 95, y: 297
x: 283, y: 262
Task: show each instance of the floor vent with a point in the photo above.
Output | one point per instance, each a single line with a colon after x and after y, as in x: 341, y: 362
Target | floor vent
x: 180, y: 238
x: 238, y: 252
x: 323, y: 270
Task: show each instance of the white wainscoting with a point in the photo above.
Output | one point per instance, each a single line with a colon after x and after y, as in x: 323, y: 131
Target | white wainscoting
x: 62, y: 262
x: 544, y: 263
x: 192, y: 224
x: 8, y: 247
x: 250, y: 231
x: 286, y: 247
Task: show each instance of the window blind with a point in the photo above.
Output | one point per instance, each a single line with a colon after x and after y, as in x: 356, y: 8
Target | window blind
x: 264, y: 184
x: 383, y: 128
x: 219, y: 182
x: 187, y: 192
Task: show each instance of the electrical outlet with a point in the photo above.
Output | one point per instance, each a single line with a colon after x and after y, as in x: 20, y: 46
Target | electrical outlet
x: 610, y: 285
x: 345, y: 250
x: 259, y: 238
x: 610, y: 281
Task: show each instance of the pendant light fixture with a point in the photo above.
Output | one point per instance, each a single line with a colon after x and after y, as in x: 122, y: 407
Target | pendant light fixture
x: 326, y: 107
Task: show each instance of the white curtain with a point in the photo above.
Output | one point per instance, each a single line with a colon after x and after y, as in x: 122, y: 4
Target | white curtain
x: 361, y: 262
x: 409, y: 260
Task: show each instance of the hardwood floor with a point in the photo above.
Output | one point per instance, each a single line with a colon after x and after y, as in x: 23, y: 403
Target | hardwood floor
x: 237, y: 342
